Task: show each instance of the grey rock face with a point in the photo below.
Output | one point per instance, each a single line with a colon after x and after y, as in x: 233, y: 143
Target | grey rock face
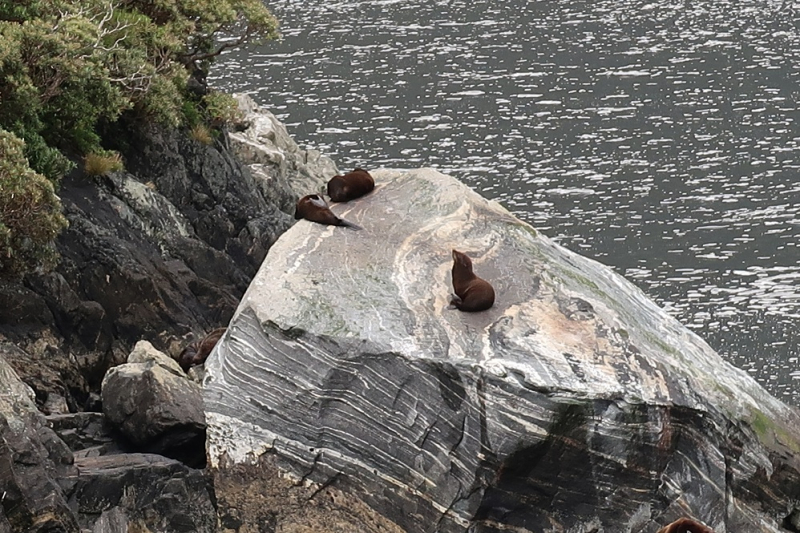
x: 160, y: 251
x: 142, y: 492
x: 33, y: 464
x: 574, y: 404
x: 155, y: 406
x: 282, y: 169
x: 88, y: 433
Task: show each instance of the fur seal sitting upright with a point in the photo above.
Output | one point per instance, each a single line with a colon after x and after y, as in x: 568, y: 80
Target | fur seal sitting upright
x: 352, y: 185
x: 685, y: 525
x: 313, y: 207
x: 472, y: 292
x: 197, y: 352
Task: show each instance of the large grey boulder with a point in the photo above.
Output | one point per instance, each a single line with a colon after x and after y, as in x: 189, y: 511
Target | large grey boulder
x: 346, y: 397
x: 155, y: 406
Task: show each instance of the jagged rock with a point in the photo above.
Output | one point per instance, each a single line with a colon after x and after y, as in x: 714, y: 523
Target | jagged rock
x: 50, y: 376
x: 283, y: 171
x: 81, y: 431
x: 114, y: 520
x: 142, y: 492
x: 155, y: 407
x: 574, y: 404
x: 33, y: 464
x: 164, y: 249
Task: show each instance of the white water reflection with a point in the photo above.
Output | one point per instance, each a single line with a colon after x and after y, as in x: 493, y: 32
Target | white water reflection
x: 658, y: 137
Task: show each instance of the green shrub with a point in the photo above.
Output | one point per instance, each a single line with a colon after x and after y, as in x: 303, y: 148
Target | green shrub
x: 30, y: 212
x: 221, y: 108
x: 69, y: 66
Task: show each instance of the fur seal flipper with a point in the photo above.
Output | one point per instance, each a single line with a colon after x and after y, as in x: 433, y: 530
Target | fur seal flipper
x: 685, y: 525
x: 313, y: 207
x: 472, y: 292
x: 352, y: 185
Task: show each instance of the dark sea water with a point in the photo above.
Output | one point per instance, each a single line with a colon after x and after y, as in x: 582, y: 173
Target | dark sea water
x: 658, y: 137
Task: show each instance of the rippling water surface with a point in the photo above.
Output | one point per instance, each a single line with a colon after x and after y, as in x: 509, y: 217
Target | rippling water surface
x: 658, y: 137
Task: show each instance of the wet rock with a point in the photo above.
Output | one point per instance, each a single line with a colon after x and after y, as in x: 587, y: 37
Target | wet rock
x: 573, y: 404
x: 155, y: 407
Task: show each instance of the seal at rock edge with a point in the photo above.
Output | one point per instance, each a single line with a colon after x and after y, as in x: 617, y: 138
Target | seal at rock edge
x: 350, y: 186
x: 472, y: 293
x: 197, y: 352
x: 685, y: 525
x: 313, y: 207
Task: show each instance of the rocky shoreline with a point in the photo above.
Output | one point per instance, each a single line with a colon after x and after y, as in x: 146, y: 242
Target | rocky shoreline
x: 163, y: 252
x: 344, y: 396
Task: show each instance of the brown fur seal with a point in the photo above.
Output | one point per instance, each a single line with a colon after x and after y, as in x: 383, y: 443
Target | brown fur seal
x: 685, y: 525
x: 197, y: 352
x: 352, y: 185
x: 313, y: 207
x: 472, y: 292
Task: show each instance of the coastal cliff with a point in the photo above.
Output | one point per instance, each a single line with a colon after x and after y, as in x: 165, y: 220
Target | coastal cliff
x: 162, y: 251
x: 347, y: 397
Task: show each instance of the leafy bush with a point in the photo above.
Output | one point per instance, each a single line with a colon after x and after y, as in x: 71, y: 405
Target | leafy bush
x: 68, y: 66
x: 30, y: 212
x: 221, y: 108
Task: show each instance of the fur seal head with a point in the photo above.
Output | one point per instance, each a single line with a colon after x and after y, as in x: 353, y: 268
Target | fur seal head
x: 313, y: 207
x: 685, y: 525
x: 350, y: 186
x: 472, y: 292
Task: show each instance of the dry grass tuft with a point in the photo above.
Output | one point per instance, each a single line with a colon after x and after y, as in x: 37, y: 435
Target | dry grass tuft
x: 99, y: 163
x: 202, y: 134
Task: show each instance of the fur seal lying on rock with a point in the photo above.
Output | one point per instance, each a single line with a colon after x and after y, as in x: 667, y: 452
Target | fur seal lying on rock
x: 197, y: 352
x: 350, y: 186
x: 685, y: 525
x: 313, y: 207
x: 472, y: 292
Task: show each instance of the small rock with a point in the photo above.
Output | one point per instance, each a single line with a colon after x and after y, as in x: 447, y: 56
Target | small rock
x: 144, y: 352
x: 55, y: 405
x: 157, y: 409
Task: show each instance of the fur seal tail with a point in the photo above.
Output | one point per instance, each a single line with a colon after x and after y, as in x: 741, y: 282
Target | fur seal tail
x: 350, y: 225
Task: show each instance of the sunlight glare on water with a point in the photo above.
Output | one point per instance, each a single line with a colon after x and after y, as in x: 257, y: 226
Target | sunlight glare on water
x: 659, y: 137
